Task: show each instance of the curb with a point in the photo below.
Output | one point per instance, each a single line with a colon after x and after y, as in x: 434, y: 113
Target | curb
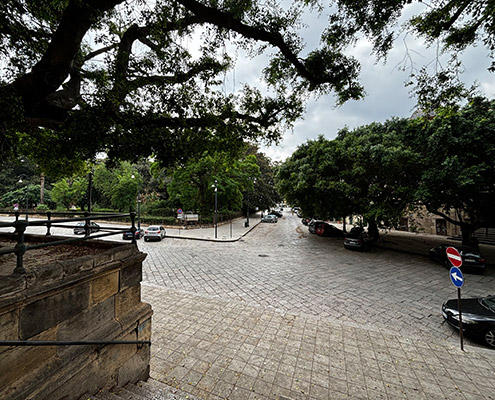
x: 213, y: 239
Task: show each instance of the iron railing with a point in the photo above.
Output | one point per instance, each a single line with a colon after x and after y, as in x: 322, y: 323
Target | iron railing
x: 20, y: 226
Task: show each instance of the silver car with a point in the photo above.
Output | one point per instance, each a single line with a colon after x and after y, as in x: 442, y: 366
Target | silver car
x: 154, y: 232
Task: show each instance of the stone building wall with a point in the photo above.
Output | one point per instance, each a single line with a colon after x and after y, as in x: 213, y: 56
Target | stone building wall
x: 92, y: 297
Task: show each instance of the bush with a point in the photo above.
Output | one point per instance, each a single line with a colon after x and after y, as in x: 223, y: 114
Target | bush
x: 158, y: 220
x: 42, y: 208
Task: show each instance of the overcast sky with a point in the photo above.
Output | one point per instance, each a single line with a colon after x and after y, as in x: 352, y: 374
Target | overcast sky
x: 386, y: 97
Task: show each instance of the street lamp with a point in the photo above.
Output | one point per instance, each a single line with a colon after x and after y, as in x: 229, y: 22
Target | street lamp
x: 26, y: 194
x: 139, y: 203
x: 247, y: 204
x: 216, y: 206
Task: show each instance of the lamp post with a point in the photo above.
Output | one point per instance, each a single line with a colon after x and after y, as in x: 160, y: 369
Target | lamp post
x: 247, y: 205
x: 215, y: 222
x: 90, y: 189
x: 138, y: 203
x: 25, y: 194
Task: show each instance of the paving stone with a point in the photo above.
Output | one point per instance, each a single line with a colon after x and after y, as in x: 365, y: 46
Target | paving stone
x: 350, y: 323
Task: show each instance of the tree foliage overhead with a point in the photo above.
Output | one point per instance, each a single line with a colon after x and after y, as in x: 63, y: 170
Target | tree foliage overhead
x: 82, y: 76
x: 85, y: 76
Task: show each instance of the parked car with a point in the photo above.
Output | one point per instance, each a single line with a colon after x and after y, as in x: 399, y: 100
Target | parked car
x: 154, y: 232
x: 305, y: 220
x: 276, y: 213
x: 312, y: 225
x: 472, y: 259
x: 478, y: 317
x: 356, y: 239
x: 79, y: 229
x: 128, y: 234
x: 269, y: 218
x: 326, y: 229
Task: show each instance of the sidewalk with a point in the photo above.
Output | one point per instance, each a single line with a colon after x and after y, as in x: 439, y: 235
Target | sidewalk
x: 225, y: 349
x: 225, y: 232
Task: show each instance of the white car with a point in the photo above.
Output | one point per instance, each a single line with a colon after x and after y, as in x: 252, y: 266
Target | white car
x: 154, y: 232
x: 269, y: 218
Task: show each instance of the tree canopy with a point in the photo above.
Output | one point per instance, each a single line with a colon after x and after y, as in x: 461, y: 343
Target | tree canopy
x: 442, y: 162
x: 117, y: 76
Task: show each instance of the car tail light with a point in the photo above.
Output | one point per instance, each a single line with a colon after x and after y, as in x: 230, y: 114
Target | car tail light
x: 482, y: 260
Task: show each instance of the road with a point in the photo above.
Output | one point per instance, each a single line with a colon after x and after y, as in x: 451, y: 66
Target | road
x: 284, y: 267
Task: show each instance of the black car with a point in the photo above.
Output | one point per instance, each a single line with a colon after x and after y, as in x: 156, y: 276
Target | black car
x: 79, y: 229
x: 356, y: 239
x: 478, y: 317
x: 276, y: 213
x: 472, y: 259
x: 326, y: 229
x: 312, y: 225
x: 305, y: 220
x: 127, y: 235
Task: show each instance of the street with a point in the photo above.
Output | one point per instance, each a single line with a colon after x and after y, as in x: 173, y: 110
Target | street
x: 285, y: 314
x: 284, y: 267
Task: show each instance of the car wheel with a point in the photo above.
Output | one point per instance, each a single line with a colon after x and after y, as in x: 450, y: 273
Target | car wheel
x: 490, y: 337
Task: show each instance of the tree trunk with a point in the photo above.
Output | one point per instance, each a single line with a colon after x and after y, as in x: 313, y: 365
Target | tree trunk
x: 467, y: 236
x: 373, y: 232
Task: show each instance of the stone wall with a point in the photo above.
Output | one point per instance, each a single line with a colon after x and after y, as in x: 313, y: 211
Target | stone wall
x: 92, y: 297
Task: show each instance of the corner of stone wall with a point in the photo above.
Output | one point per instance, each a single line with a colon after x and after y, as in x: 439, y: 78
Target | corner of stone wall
x: 88, y: 298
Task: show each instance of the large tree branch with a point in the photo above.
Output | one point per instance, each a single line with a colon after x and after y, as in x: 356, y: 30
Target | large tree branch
x: 54, y: 67
x: 221, y: 119
x: 225, y: 20
x: 202, y: 66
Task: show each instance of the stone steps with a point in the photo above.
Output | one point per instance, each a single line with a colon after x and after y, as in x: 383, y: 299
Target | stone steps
x: 484, y: 236
x: 150, y: 390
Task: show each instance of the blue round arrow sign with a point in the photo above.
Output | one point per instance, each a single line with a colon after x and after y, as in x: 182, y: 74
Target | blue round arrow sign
x: 456, y: 277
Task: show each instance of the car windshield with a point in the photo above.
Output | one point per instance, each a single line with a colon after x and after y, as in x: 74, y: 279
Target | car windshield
x: 153, y: 228
x: 80, y: 223
x: 489, y: 302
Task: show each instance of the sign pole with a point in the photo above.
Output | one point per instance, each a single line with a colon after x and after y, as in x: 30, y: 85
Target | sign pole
x: 460, y: 318
x: 457, y: 279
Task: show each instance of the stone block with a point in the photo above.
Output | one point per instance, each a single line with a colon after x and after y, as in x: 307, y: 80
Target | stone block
x: 127, y: 300
x: 89, y: 324
x: 10, y: 285
x: 131, y: 276
x: 144, y: 330
x: 50, y: 311
x: 9, y: 325
x: 104, y: 287
x: 136, y: 368
x: 19, y: 362
x: 47, y: 274
x: 77, y: 265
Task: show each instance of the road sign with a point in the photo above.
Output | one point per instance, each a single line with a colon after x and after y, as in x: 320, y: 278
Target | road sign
x: 454, y: 257
x: 456, y: 277
x: 179, y: 211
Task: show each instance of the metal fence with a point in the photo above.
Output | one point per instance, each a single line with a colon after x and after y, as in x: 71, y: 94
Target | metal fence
x: 20, y: 226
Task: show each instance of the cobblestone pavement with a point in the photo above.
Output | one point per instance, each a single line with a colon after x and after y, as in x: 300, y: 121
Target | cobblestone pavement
x: 283, y: 267
x: 216, y: 348
x: 283, y: 314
